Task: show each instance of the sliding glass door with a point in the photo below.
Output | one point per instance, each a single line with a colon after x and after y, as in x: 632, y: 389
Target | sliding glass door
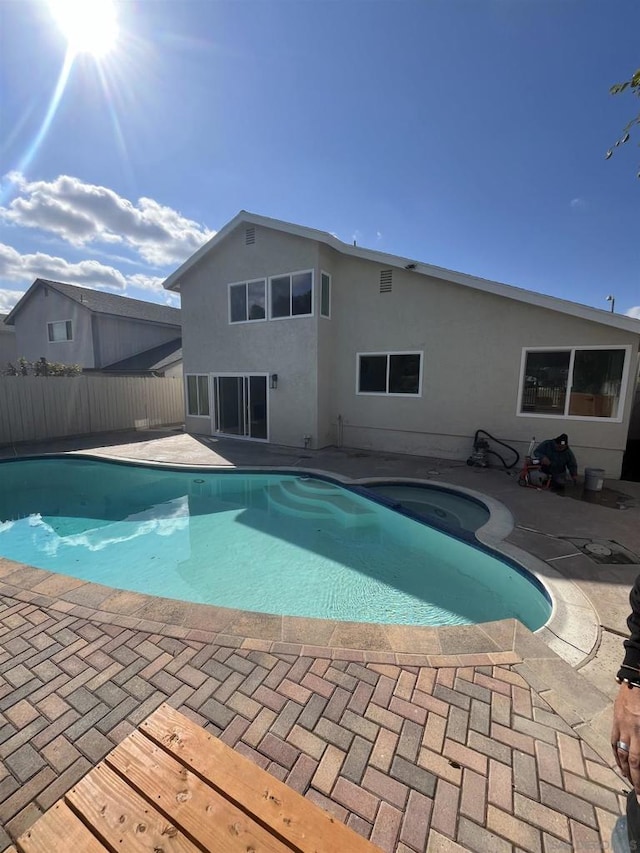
x: 240, y: 405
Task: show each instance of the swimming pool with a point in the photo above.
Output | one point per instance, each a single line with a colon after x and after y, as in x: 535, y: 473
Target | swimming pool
x: 268, y: 542
x: 435, y: 504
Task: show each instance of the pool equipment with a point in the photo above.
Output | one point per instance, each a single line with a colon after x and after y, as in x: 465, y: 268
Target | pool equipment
x: 482, y: 450
x: 532, y: 476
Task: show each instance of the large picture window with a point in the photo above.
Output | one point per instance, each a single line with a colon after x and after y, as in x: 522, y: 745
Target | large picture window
x: 575, y: 382
x: 61, y: 330
x: 292, y: 295
x: 390, y: 373
x: 247, y: 301
x: 198, y: 395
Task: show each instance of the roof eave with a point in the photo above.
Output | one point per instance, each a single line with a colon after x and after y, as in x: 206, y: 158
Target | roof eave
x: 574, y: 309
x: 26, y: 296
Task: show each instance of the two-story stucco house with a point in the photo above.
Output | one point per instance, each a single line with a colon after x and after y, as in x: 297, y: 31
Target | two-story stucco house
x: 293, y: 337
x: 78, y: 325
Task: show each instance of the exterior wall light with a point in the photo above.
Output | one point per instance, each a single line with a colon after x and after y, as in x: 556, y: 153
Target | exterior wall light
x: 273, y: 381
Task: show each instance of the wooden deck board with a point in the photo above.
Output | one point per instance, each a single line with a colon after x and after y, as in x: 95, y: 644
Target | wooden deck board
x: 57, y: 830
x: 122, y: 818
x: 172, y: 786
x: 188, y: 802
x: 300, y: 822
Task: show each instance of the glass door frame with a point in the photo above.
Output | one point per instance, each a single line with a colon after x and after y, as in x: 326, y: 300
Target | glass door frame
x: 215, y: 405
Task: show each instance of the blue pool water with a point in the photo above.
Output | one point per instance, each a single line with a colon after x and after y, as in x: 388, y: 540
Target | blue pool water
x: 272, y: 543
x: 435, y: 504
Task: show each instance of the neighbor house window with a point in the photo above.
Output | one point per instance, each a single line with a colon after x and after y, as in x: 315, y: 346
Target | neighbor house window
x: 292, y: 295
x: 198, y: 396
x: 390, y: 373
x: 325, y: 295
x: 60, y: 331
x: 575, y: 382
x: 247, y: 301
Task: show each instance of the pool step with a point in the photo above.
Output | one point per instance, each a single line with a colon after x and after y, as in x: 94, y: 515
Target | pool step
x: 329, y: 496
x: 308, y: 500
x: 313, y: 486
x: 282, y: 502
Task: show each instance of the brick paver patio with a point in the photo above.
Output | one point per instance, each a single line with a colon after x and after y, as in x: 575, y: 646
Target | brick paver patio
x: 464, y: 756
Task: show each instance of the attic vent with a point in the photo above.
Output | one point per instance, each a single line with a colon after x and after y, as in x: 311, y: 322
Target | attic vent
x: 386, y: 281
x: 250, y: 236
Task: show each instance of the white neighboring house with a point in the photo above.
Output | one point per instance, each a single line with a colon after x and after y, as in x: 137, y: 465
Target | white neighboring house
x: 99, y: 331
x: 293, y: 337
x: 8, y: 352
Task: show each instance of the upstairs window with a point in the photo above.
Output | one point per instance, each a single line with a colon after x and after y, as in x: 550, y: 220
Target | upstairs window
x: 325, y: 295
x: 392, y: 373
x: 573, y: 382
x: 247, y: 301
x: 198, y: 396
x: 292, y: 295
x: 60, y: 330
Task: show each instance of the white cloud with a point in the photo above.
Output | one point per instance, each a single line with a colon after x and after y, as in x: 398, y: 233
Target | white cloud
x: 18, y: 268
x: 634, y: 312
x: 8, y: 298
x: 23, y: 269
x: 146, y: 282
x: 83, y: 213
x: 577, y: 203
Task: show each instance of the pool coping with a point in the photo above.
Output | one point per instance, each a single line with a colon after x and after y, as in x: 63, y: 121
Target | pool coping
x: 572, y: 631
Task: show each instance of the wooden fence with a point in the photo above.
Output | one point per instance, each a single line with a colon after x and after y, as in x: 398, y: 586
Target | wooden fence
x: 33, y: 408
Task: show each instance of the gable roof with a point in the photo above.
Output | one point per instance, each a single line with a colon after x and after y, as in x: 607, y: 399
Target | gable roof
x: 103, y: 303
x: 156, y: 358
x: 564, y: 306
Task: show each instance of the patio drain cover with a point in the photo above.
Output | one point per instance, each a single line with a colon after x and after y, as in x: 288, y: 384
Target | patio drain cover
x: 604, y: 551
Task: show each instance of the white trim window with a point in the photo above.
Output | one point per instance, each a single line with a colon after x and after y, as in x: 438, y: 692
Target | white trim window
x: 584, y: 383
x: 197, y: 388
x: 325, y: 294
x: 393, y: 374
x: 291, y: 295
x: 247, y: 301
x: 60, y: 331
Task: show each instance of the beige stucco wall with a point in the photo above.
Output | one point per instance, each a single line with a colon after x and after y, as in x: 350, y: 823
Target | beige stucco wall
x: 286, y: 346
x: 472, y: 343
x: 327, y: 427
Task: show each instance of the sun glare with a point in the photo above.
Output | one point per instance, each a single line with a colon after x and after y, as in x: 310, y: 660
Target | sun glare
x: 89, y: 26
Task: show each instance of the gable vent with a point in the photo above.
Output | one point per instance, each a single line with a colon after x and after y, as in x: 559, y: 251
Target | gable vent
x: 250, y: 236
x: 386, y: 281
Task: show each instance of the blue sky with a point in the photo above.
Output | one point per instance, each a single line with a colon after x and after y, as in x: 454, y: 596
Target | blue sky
x: 469, y: 134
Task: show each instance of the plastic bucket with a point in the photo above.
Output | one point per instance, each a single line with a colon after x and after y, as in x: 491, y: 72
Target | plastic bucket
x: 593, y: 479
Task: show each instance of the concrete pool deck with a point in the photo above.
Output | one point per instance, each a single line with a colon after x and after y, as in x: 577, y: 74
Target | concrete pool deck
x: 386, y: 728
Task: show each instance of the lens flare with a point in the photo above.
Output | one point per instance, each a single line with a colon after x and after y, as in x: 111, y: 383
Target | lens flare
x: 90, y: 26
